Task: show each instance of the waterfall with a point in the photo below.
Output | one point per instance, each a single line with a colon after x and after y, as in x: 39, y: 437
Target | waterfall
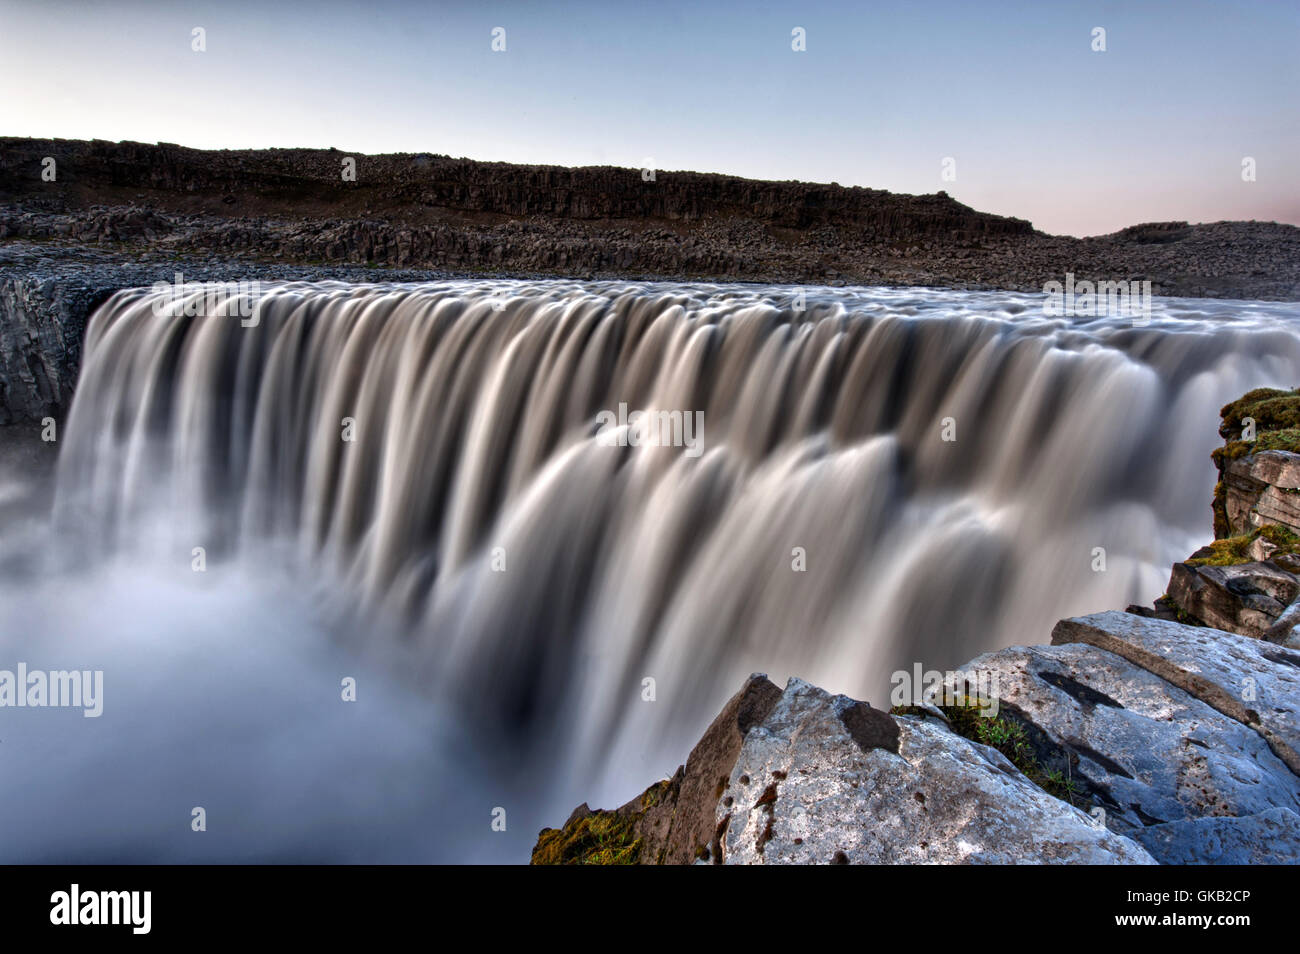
x: 882, y: 477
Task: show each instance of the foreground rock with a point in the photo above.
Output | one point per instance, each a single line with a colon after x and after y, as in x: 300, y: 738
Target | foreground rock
x: 672, y: 822
x: 802, y: 776
x: 1132, y: 744
x: 1224, y: 841
x: 827, y: 780
x: 1129, y: 740
x: 1246, y: 680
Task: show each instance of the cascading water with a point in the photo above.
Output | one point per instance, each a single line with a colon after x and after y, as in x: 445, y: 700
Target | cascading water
x: 882, y: 477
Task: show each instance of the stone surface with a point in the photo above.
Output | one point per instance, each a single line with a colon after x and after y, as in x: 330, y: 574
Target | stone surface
x: 1250, y: 681
x: 677, y: 830
x: 1262, y: 488
x: 1139, y: 747
x: 807, y: 790
x: 1269, y: 838
x: 1245, y: 598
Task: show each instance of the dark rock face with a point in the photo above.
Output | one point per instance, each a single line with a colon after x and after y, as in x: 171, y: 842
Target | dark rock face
x: 46, y: 302
x: 41, y: 327
x: 422, y: 189
x: 1262, y: 488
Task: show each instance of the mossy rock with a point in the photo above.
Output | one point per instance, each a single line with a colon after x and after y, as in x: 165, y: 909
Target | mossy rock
x: 1272, y: 410
x: 1233, y: 551
x: 599, y: 837
x: 1277, y: 427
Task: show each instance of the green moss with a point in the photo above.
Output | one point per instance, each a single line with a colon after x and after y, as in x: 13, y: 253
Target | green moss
x: 601, y: 837
x: 1010, y: 738
x: 1271, y: 409
x: 1232, y: 551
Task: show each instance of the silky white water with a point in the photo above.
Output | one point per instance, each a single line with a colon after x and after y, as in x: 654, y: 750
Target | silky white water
x: 412, y: 482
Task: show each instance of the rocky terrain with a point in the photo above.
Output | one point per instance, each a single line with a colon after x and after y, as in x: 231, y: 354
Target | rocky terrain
x: 1165, y: 735
x: 425, y: 211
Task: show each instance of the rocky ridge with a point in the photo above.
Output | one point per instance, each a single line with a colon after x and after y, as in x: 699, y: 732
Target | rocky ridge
x: 1138, y: 737
x: 431, y: 211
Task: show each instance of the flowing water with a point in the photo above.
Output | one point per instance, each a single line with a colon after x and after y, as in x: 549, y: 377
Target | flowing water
x: 415, y: 486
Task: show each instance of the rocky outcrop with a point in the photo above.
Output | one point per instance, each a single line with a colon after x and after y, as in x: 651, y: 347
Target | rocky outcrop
x: 1246, y: 598
x: 672, y: 823
x: 1248, y: 580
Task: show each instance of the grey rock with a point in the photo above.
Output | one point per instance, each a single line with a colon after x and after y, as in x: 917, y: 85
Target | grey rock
x: 808, y: 788
x: 1139, y: 747
x: 1269, y: 838
x: 1248, y: 680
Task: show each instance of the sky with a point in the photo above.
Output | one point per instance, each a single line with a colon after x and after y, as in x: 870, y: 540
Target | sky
x: 1037, y: 123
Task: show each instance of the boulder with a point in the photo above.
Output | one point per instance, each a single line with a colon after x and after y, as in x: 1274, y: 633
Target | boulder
x: 828, y: 780
x: 672, y: 821
x: 1246, y: 598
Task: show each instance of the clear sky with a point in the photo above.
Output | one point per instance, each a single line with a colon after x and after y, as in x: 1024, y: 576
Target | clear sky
x: 1039, y: 125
